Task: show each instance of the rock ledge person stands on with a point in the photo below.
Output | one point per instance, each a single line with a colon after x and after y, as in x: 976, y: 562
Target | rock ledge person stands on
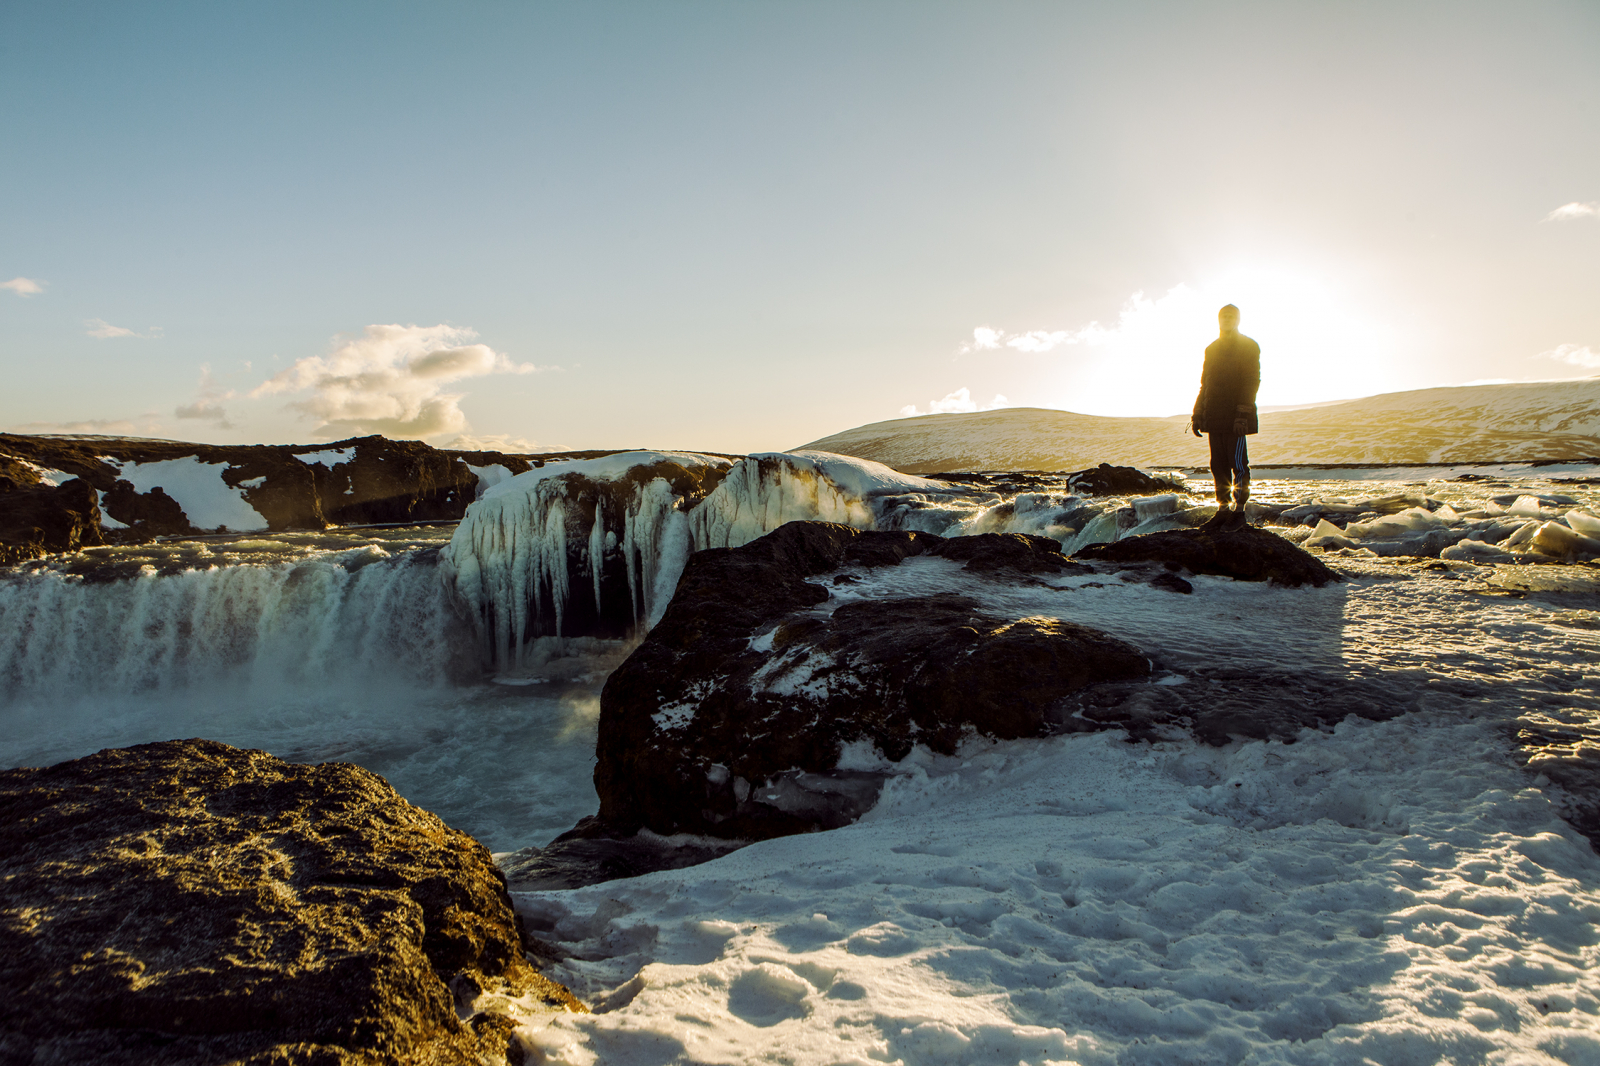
x: 1226, y: 411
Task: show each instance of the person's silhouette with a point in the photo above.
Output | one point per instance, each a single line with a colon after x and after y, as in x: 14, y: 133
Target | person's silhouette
x: 1225, y: 410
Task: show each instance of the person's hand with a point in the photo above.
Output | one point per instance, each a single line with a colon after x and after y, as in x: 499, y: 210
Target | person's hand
x: 1239, y: 426
x: 1194, y: 428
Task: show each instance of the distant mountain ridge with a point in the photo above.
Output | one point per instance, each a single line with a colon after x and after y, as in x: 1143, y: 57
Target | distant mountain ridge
x: 1529, y: 422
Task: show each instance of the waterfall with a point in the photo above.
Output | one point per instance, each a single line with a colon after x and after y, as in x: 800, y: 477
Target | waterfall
x: 325, y: 620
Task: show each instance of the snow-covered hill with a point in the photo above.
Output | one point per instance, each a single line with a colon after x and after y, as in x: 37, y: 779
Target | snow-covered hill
x: 1474, y: 423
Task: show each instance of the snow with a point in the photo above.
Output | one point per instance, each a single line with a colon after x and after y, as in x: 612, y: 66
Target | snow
x: 253, y: 482
x: 328, y: 457
x: 207, y: 500
x: 1389, y: 892
x: 489, y: 476
x: 47, y: 476
x: 605, y: 468
x: 1531, y: 421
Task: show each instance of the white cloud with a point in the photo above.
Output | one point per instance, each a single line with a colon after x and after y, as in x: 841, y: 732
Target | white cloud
x: 1576, y: 354
x: 23, y: 286
x: 1568, y: 212
x: 114, y: 427
x: 958, y: 402
x: 99, y: 327
x: 208, y: 402
x: 391, y: 380
x: 987, y: 338
x: 493, y: 442
x: 103, y: 330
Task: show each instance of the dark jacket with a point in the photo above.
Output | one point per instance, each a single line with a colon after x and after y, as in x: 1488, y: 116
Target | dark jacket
x: 1229, y: 380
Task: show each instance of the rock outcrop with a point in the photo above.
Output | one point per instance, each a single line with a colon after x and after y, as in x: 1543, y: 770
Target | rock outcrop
x: 37, y: 519
x: 188, y: 902
x: 1248, y: 554
x: 360, y: 481
x: 729, y: 720
x: 1108, y: 480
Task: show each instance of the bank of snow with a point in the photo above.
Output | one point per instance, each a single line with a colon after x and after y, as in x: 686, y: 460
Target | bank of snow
x: 1395, y: 892
x: 207, y: 501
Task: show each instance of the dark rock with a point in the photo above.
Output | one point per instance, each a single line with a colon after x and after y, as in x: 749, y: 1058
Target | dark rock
x: 1017, y: 552
x: 1248, y: 554
x: 150, y: 514
x: 1108, y: 480
x: 190, y: 903
x: 1219, y: 705
x: 37, y: 519
x: 1172, y: 583
x: 393, y: 481
x: 382, y: 481
x: 589, y: 853
x: 729, y: 719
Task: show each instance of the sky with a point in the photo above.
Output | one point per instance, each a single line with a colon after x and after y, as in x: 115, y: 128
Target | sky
x: 747, y: 225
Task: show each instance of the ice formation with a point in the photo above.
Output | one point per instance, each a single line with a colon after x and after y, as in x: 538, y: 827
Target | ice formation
x: 595, y: 547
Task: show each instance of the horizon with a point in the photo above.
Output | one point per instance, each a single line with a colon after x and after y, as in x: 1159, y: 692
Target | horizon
x: 451, y: 446
x: 542, y: 228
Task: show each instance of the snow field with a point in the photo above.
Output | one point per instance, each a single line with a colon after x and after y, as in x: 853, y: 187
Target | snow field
x: 1391, y: 893
x: 208, y: 501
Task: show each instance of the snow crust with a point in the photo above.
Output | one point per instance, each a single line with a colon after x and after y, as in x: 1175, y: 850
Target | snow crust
x: 207, y: 500
x: 1392, y: 892
x: 328, y: 458
x: 489, y: 476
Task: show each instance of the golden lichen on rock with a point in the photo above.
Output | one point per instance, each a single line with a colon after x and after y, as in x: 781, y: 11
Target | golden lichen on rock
x: 196, y: 903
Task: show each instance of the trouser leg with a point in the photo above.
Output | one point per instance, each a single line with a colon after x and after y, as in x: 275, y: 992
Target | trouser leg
x: 1223, y: 447
x: 1241, y: 474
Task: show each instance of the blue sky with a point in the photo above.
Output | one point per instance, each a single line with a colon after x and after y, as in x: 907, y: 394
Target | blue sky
x: 742, y: 226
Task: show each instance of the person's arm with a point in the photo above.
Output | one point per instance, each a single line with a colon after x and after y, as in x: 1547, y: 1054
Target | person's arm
x: 1249, y: 385
x: 1197, y: 418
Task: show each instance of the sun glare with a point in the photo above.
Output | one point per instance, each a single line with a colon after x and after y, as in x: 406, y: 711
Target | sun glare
x: 1316, y: 344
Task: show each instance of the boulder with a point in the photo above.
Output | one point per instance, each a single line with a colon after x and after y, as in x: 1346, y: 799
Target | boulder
x: 730, y: 719
x: 1248, y: 554
x: 393, y: 481
x: 188, y: 902
x: 1108, y: 480
x: 37, y: 519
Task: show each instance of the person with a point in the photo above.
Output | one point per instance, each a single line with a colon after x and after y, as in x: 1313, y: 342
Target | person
x: 1225, y: 411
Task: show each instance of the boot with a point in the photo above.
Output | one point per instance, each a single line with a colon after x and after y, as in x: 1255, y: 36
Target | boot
x: 1216, y: 521
x: 1236, y: 517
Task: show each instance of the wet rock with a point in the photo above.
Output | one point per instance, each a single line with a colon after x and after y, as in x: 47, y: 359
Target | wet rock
x: 1248, y: 554
x: 1108, y: 480
x: 37, y: 519
x: 591, y: 852
x: 1219, y: 705
x: 188, y: 902
x: 729, y: 720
